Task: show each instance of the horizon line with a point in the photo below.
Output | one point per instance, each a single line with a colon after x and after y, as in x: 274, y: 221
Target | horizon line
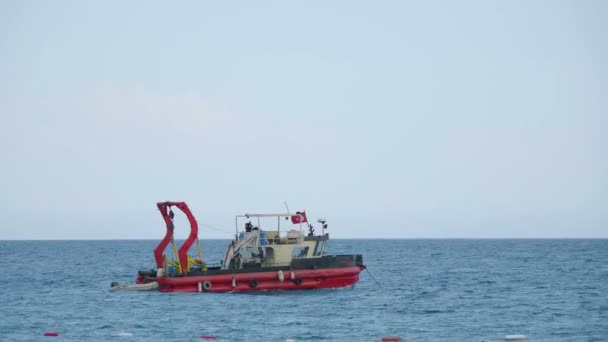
x: 348, y: 238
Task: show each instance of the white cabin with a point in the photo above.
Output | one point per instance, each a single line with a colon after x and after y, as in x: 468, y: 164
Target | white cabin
x: 257, y: 247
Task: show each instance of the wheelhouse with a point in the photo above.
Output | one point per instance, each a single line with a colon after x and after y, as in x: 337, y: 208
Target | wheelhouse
x: 272, y: 245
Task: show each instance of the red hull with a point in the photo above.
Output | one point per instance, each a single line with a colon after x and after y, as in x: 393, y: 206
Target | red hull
x: 263, y: 281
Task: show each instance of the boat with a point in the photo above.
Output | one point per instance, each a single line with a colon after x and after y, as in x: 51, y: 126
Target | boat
x: 256, y: 259
x: 134, y: 287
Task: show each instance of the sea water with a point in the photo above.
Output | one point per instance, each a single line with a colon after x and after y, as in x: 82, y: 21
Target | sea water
x: 429, y: 290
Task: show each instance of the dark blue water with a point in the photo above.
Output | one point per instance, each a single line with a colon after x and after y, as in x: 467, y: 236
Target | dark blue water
x: 432, y: 290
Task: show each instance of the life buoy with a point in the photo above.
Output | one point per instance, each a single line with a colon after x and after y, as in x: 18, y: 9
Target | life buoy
x: 298, y: 281
x: 253, y: 283
x: 207, y: 285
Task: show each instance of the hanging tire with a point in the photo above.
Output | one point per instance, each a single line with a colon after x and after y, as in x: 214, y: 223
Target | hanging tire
x: 207, y: 285
x: 298, y: 281
x: 253, y: 283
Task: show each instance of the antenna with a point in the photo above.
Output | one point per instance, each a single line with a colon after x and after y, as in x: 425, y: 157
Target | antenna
x: 323, y: 223
x: 287, y: 207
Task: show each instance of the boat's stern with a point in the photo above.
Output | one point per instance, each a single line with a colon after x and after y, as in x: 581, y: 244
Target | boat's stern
x: 146, y: 276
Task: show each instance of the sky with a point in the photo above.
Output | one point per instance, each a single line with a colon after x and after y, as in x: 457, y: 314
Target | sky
x: 392, y: 119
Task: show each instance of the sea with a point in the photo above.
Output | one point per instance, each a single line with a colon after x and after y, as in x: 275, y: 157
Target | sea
x: 418, y: 290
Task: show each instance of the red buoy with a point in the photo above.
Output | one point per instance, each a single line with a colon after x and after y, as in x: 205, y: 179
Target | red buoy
x: 208, y: 337
x: 50, y: 333
x: 391, y: 338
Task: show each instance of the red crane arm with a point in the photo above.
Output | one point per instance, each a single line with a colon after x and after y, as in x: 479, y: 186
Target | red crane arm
x: 164, y: 207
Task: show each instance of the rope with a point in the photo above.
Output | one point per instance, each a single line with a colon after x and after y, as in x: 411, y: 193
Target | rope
x: 206, y: 225
x: 370, y: 274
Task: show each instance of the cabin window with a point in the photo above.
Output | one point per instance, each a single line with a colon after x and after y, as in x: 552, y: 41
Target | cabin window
x: 299, y: 252
x: 319, y: 248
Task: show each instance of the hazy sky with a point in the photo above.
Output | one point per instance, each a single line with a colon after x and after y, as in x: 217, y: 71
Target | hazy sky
x: 390, y: 118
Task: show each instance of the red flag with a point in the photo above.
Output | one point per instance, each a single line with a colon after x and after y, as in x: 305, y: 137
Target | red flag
x: 300, y: 218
